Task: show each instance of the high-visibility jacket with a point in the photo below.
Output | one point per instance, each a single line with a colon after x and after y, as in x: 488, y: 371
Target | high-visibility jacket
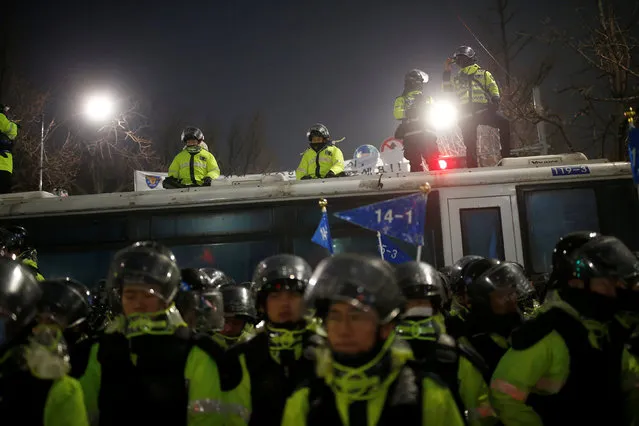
x: 317, y: 164
x: 472, y: 85
x: 190, y: 168
x: 434, y: 402
x: 557, y: 371
x: 410, y: 105
x: 8, y: 132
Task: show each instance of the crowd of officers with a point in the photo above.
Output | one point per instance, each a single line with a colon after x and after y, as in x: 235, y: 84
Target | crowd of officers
x: 356, y: 341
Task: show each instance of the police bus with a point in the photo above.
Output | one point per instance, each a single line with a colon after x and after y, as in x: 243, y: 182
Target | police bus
x: 515, y: 211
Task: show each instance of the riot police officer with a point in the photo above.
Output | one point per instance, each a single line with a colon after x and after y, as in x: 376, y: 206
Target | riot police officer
x: 274, y: 359
x: 564, y: 367
x: 479, y: 98
x: 14, y: 243
x: 193, y: 166
x: 364, y: 375
x: 240, y: 314
x: 41, y: 393
x: 422, y: 326
x: 420, y: 141
x: 199, y: 301
x: 68, y: 303
x: 137, y: 372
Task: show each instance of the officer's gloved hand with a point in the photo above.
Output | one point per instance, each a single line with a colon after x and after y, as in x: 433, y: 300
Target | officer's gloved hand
x: 170, y: 182
x: 330, y: 174
x: 207, y: 181
x: 493, y: 106
x: 306, y: 177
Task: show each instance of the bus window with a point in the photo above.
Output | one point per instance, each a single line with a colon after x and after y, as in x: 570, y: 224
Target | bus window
x: 238, y: 260
x: 87, y: 267
x: 551, y: 214
x: 481, y: 232
x: 210, y: 223
x: 68, y: 231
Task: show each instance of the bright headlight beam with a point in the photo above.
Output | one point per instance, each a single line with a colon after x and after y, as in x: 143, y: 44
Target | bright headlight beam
x: 442, y: 115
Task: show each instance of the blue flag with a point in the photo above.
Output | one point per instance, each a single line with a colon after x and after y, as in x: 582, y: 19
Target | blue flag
x: 633, y: 150
x: 393, y: 254
x: 322, y: 235
x: 402, y: 218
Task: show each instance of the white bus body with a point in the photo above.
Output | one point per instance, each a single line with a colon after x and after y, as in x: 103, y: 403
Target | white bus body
x: 513, y: 211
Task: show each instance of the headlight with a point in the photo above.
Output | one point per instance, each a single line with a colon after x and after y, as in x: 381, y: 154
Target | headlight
x: 442, y: 115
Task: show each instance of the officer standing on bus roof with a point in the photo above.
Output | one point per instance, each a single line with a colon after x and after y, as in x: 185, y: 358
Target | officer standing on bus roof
x: 478, y: 95
x: 420, y: 141
x: 193, y: 166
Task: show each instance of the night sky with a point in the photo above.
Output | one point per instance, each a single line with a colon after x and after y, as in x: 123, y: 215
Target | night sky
x: 207, y: 62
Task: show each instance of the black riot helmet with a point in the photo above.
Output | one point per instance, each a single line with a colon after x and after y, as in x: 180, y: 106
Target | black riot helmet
x: 278, y: 273
x: 464, y: 56
x: 148, y: 265
x: 419, y: 280
x: 217, y: 278
x: 65, y: 301
x: 19, y: 297
x: 363, y: 281
x: 318, y: 129
x: 200, y: 297
x: 605, y: 256
x: 472, y: 270
x: 562, y: 267
x: 503, y: 275
x: 193, y: 281
x: 456, y: 272
x: 415, y: 80
x: 239, y: 302
x: 13, y: 240
x: 191, y: 133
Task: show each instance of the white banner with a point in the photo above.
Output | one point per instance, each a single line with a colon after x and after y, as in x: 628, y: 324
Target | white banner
x: 368, y: 161
x: 148, y: 181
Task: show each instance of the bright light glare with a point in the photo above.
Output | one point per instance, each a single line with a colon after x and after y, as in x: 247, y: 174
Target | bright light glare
x: 99, y: 107
x: 442, y: 115
x: 442, y: 164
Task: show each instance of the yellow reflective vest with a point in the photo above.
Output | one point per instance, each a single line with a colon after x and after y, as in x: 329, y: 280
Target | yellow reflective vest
x: 317, y: 164
x: 472, y: 85
x: 404, y: 103
x: 438, y: 404
x: 9, y: 131
x: 191, y: 168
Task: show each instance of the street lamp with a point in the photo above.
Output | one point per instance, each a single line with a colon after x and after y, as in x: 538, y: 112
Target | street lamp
x: 98, y: 107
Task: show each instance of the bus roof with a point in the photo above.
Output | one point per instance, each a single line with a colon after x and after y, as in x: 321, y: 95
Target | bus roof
x: 272, y: 188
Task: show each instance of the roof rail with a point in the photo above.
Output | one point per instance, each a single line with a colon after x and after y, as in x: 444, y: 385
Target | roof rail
x: 17, y: 197
x: 546, y: 160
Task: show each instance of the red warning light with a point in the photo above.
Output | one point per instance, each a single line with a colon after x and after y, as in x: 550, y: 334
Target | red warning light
x: 443, y: 164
